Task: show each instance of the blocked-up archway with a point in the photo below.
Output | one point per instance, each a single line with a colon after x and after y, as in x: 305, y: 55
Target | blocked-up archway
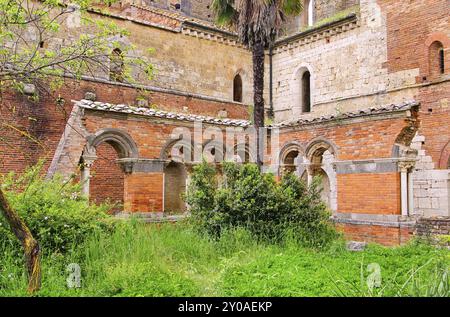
x: 175, y: 182
x: 107, y: 178
x: 178, y: 155
x: 102, y: 167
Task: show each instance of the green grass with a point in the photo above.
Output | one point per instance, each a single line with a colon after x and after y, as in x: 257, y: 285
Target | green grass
x: 172, y: 260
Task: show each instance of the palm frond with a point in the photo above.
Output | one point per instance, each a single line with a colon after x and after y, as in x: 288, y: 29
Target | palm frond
x: 224, y: 11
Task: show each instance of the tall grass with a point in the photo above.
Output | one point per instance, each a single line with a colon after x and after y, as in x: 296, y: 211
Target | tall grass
x: 173, y: 260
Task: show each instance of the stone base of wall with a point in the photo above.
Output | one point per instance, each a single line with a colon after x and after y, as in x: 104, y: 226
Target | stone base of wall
x: 393, y: 230
x: 389, y: 230
x: 434, y: 229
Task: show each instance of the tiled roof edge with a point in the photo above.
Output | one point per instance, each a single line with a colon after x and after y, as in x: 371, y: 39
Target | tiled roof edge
x: 148, y: 112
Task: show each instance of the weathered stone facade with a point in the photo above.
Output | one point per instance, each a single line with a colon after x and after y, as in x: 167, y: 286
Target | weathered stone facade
x: 360, y: 98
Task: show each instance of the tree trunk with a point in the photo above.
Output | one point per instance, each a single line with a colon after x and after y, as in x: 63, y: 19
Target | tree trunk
x: 258, y: 99
x: 30, y: 245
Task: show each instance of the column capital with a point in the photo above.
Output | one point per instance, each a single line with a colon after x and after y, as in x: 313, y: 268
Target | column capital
x: 406, y: 166
x: 88, y: 160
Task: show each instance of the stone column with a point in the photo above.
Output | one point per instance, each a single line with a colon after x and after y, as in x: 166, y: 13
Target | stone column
x: 406, y: 187
x: 404, y: 191
x: 410, y: 193
x: 86, y: 165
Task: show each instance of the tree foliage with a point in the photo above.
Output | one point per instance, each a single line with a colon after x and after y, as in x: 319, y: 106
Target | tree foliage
x: 256, y: 21
x: 43, y: 42
x: 245, y: 198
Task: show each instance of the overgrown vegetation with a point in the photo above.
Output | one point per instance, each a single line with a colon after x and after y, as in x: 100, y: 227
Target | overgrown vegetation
x: 54, y: 210
x: 129, y: 258
x: 174, y: 260
x: 243, y: 197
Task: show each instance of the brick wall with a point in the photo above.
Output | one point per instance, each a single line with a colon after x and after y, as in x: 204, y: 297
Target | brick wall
x: 385, y: 235
x: 369, y: 193
x: 44, y: 121
x: 143, y: 192
x: 409, y: 25
x: 356, y: 141
x: 107, y: 179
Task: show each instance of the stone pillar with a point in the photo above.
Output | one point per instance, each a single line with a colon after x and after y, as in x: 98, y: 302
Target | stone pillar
x: 410, y: 193
x: 310, y: 172
x: 404, y: 191
x: 406, y: 187
x: 86, y: 165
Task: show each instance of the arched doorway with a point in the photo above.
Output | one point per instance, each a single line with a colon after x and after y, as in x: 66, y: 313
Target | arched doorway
x: 325, y: 193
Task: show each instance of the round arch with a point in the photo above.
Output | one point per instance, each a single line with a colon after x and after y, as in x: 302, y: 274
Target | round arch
x: 318, y: 146
x: 213, y: 150
x: 120, y: 140
x: 444, y: 159
x: 187, y: 149
x: 297, y: 87
x: 288, y: 148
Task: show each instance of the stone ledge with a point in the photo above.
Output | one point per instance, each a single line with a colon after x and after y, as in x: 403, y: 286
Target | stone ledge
x: 395, y: 221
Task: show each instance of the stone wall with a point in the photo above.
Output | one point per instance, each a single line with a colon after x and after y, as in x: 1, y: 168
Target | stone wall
x: 322, y: 10
x: 431, y: 185
x: 345, y: 74
x: 435, y: 229
x: 182, y: 53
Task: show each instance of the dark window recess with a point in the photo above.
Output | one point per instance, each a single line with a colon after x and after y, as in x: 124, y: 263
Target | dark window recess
x: 306, y: 92
x: 441, y: 61
x: 237, y: 88
x: 116, y: 67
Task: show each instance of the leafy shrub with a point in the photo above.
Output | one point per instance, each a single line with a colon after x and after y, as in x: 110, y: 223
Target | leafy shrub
x: 244, y: 197
x: 54, y: 210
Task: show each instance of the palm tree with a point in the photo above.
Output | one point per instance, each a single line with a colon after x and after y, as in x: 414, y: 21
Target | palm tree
x: 257, y: 23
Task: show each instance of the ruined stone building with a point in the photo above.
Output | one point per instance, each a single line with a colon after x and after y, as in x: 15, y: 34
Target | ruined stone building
x: 359, y: 92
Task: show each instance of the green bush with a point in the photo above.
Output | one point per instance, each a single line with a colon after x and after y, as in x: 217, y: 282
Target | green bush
x: 271, y: 211
x: 54, y: 210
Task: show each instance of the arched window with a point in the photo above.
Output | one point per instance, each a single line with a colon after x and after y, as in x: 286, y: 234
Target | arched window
x: 307, y: 16
x: 116, y: 65
x: 436, y: 59
x: 441, y: 61
x: 237, y: 88
x: 311, y: 12
x: 306, y: 92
